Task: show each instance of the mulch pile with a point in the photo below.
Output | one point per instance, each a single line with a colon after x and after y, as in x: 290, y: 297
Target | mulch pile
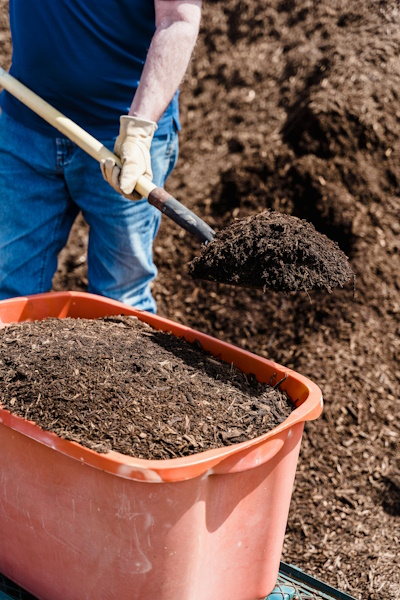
x: 273, y: 251
x: 293, y: 105
x: 117, y: 384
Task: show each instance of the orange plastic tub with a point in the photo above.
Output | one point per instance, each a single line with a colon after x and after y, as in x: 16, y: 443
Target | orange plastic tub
x: 79, y: 525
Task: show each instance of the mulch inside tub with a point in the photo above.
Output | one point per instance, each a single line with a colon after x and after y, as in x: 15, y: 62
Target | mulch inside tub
x: 118, y: 384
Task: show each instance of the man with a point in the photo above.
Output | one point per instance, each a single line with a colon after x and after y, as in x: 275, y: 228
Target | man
x: 114, y: 67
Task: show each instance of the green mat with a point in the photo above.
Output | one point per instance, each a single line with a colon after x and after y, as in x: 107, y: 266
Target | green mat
x: 292, y: 584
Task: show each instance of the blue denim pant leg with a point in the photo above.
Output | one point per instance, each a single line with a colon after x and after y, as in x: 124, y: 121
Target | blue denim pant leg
x: 120, y: 252
x: 43, y: 184
x: 36, y: 211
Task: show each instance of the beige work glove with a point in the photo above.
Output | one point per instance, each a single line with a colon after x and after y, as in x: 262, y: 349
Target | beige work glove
x: 133, y: 148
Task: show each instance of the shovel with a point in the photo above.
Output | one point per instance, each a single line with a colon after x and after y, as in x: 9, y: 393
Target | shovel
x: 156, y: 196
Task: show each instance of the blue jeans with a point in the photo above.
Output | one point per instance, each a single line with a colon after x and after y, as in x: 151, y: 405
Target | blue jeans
x: 44, y: 183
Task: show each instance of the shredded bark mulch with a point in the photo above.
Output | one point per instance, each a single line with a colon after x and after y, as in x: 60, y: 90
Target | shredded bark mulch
x: 117, y: 384
x: 273, y: 251
x: 293, y: 105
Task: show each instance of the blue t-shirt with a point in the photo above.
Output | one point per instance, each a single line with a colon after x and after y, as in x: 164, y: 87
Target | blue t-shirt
x: 85, y: 57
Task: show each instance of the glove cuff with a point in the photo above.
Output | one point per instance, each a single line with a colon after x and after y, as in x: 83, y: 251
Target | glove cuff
x: 129, y: 125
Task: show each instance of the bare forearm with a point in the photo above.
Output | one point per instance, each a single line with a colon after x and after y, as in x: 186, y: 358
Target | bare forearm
x: 177, y: 26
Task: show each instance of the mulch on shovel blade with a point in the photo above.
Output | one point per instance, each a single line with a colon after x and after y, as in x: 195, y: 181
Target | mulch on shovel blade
x: 117, y: 384
x: 273, y: 251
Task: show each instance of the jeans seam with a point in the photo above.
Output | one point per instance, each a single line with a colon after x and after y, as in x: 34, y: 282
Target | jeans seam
x: 46, y: 253
x: 172, y: 157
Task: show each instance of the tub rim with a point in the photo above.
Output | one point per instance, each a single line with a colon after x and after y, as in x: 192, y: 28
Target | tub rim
x: 228, y: 459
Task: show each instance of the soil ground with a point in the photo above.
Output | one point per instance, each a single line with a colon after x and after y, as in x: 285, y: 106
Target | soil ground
x: 294, y: 105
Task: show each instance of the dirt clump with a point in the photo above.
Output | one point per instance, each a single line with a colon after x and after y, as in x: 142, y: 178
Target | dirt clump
x: 273, y: 251
x: 117, y: 384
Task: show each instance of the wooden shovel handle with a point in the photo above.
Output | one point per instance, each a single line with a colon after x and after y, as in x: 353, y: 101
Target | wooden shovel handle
x: 156, y: 196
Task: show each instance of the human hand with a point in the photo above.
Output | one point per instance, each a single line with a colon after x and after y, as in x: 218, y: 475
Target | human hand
x: 133, y: 148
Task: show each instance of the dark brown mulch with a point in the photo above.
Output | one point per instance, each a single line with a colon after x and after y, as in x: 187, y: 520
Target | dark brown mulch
x: 294, y: 105
x: 118, y: 384
x: 274, y: 251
